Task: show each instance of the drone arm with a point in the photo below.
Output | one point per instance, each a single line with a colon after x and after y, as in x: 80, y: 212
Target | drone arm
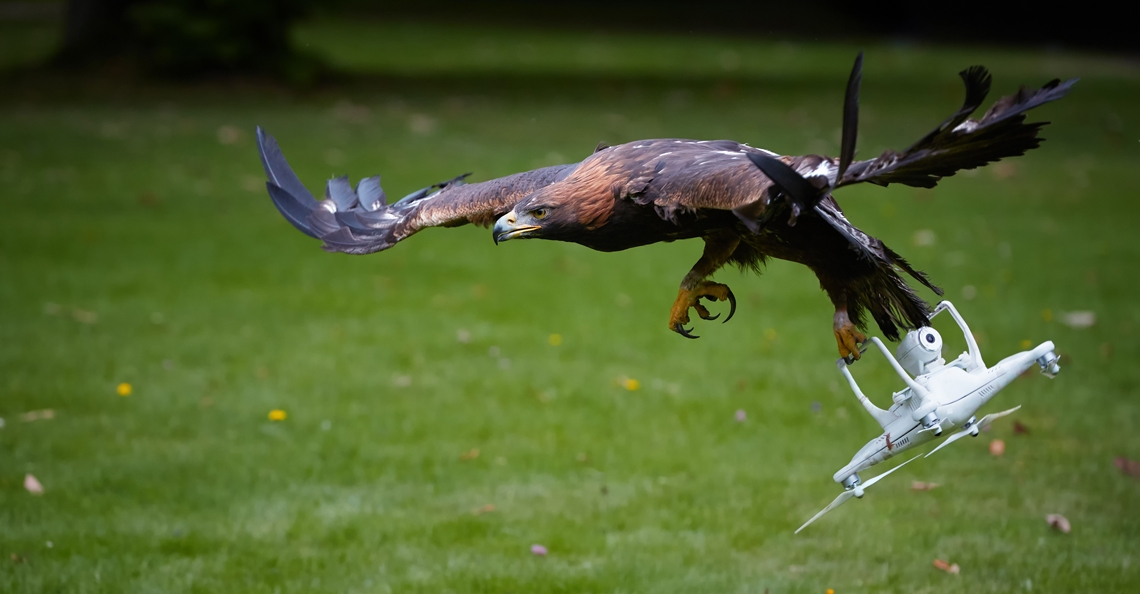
x: 971, y: 344
x: 914, y: 386
x: 881, y: 416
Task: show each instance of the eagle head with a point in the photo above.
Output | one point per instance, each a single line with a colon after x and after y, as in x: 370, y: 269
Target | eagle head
x: 524, y: 223
x: 553, y: 214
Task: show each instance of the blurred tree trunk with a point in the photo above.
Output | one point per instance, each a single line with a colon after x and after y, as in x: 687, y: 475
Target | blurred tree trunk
x: 88, y: 28
x: 175, y: 38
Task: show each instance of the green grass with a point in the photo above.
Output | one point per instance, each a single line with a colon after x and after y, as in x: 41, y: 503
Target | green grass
x: 121, y: 202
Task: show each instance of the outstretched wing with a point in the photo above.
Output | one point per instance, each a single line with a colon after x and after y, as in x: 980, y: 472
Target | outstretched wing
x: 360, y: 221
x: 962, y: 143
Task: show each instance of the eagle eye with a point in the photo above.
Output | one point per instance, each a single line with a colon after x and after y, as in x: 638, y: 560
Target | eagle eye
x: 538, y: 213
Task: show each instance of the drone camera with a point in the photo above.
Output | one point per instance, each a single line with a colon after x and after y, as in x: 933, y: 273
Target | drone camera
x: 919, y: 349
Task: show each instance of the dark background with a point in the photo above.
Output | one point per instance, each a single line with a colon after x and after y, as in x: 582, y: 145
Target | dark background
x: 178, y: 38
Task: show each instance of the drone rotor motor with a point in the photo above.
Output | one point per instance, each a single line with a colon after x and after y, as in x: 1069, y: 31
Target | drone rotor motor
x: 1049, y: 366
x: 932, y: 423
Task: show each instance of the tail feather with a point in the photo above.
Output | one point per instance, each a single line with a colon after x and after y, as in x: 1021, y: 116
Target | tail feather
x: 917, y: 275
x: 890, y: 301
x: 962, y: 143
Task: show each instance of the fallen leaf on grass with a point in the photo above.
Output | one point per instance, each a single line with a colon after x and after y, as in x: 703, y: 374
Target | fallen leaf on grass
x: 947, y: 567
x: 229, y: 134
x: 1019, y: 428
x: 17, y: 559
x: 997, y: 447
x: 1129, y: 467
x: 470, y: 454
x: 1079, y: 319
x: 37, y: 415
x: 924, y: 237
x: 84, y: 316
x: 486, y: 509
x: 33, y: 486
x: 921, y: 486
x: 1059, y: 522
x: 538, y: 550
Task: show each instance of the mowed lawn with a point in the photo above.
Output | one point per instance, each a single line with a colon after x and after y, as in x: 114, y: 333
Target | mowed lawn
x: 451, y: 403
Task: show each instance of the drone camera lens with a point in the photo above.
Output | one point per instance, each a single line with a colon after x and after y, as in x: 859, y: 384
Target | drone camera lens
x: 929, y: 338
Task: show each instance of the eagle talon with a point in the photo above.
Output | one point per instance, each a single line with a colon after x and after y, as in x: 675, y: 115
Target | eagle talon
x: 731, y: 305
x: 679, y: 329
x: 691, y: 299
x: 848, y: 338
x: 702, y: 311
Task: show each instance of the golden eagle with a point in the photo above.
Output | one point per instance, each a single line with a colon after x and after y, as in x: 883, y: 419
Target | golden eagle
x: 747, y: 204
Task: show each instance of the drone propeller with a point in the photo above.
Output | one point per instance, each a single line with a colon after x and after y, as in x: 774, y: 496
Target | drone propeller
x: 973, y: 429
x: 949, y: 440
x: 935, y: 429
x: 801, y: 193
x: 848, y: 494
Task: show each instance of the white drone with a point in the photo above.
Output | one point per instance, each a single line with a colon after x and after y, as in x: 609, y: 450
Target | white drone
x: 940, y: 396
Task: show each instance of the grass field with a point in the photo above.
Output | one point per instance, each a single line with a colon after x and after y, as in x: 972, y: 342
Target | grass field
x: 422, y: 385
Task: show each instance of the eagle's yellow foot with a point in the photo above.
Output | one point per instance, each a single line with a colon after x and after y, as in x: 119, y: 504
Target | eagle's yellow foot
x: 848, y: 337
x: 690, y: 298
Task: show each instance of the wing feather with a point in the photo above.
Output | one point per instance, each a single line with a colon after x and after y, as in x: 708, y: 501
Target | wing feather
x: 346, y: 224
x: 962, y: 143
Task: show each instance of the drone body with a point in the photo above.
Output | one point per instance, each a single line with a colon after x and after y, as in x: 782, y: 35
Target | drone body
x: 940, y: 396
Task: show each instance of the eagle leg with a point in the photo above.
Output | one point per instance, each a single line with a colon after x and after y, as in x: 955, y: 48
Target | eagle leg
x: 694, y: 287
x: 847, y: 336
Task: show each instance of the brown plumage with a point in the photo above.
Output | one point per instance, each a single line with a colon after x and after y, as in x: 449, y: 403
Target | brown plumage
x: 747, y: 204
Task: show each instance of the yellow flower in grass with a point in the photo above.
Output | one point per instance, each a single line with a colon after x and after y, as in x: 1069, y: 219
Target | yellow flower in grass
x: 277, y: 415
x: 555, y: 339
x: 124, y: 389
x: 631, y: 384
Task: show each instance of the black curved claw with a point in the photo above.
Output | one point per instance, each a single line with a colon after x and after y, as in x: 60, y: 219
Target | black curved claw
x: 731, y: 305
x: 682, y: 331
x: 711, y: 318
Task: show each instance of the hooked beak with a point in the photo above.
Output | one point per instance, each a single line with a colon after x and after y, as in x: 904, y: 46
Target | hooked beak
x: 508, y: 227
